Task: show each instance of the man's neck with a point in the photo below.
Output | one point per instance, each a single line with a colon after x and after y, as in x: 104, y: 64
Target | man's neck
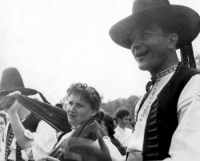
x: 121, y: 126
x: 162, y: 68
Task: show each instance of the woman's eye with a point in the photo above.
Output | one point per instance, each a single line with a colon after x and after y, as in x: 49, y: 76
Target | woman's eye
x: 79, y: 105
x: 145, y: 34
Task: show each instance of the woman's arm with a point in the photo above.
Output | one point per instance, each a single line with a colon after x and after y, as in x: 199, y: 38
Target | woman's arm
x: 15, y: 120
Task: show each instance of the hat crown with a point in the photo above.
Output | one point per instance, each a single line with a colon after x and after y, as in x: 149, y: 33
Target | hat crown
x: 11, y: 79
x: 139, y: 5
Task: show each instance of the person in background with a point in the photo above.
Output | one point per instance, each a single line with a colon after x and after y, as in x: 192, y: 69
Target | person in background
x: 168, y: 115
x: 115, y: 121
x: 23, y: 126
x: 60, y: 105
x: 108, y: 125
x: 3, y: 122
x: 122, y: 133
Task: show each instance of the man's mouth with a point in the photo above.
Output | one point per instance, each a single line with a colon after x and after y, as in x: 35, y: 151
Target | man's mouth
x: 140, y: 54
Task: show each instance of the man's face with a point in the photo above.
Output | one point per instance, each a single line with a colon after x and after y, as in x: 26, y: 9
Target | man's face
x: 149, y: 48
x: 124, y: 121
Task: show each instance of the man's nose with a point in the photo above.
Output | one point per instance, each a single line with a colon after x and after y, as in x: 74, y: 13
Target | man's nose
x: 136, y: 44
x: 135, y: 47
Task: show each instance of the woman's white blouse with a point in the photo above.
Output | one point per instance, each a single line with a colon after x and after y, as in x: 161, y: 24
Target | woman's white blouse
x: 115, y: 154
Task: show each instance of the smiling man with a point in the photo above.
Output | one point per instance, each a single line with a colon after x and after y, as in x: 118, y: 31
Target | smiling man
x: 168, y: 115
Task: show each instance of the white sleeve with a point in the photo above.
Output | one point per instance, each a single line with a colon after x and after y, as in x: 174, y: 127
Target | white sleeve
x: 185, y: 144
x: 44, y: 140
x: 114, y: 152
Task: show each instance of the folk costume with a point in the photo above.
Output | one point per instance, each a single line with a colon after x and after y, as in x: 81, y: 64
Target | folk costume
x: 168, y: 115
x: 87, y: 142
x: 35, y: 128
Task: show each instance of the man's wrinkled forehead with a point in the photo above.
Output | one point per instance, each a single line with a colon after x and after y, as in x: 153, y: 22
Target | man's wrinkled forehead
x: 149, y: 28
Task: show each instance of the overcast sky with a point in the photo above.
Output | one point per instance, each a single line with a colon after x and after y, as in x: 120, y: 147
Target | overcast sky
x: 54, y: 43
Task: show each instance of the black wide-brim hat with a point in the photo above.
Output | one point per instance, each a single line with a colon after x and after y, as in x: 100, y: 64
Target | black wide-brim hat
x: 183, y: 21
x: 11, y: 81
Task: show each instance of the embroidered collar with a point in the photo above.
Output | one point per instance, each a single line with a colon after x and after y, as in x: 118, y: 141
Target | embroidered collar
x: 166, y: 71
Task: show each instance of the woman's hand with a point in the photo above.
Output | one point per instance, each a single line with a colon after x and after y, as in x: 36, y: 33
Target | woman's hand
x: 15, y: 106
x: 48, y: 158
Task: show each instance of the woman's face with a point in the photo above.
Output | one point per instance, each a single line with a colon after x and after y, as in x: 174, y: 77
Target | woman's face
x: 78, y: 109
x: 2, y: 124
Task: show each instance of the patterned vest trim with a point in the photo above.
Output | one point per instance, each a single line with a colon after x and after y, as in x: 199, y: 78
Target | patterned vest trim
x: 9, y: 139
x: 162, y: 120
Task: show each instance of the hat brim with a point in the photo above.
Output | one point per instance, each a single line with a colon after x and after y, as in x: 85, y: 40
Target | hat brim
x: 24, y: 91
x: 181, y: 20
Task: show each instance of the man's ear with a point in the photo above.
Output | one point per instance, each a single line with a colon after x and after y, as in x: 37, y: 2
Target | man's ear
x: 173, y: 38
x: 118, y: 120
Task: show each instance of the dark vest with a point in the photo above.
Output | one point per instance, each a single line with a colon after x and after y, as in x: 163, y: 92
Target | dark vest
x: 162, y: 120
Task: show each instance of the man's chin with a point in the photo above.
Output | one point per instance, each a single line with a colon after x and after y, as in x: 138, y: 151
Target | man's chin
x: 143, y: 67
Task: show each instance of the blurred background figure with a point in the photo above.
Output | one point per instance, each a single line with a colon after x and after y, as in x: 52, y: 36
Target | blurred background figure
x: 23, y: 127
x: 122, y: 133
x: 60, y: 105
x: 115, y: 121
x: 3, y: 121
x: 108, y: 125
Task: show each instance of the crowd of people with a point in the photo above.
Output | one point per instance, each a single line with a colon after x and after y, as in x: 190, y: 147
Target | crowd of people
x: 167, y: 116
x: 27, y: 136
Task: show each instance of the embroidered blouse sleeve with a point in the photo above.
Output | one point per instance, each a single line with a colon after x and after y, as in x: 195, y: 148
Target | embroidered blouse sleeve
x: 185, y: 144
x: 44, y: 140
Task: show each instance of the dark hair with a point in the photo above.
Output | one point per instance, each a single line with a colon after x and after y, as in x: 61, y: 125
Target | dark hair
x: 110, y: 126
x: 89, y: 93
x: 122, y: 113
x: 4, y: 117
x: 60, y: 105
